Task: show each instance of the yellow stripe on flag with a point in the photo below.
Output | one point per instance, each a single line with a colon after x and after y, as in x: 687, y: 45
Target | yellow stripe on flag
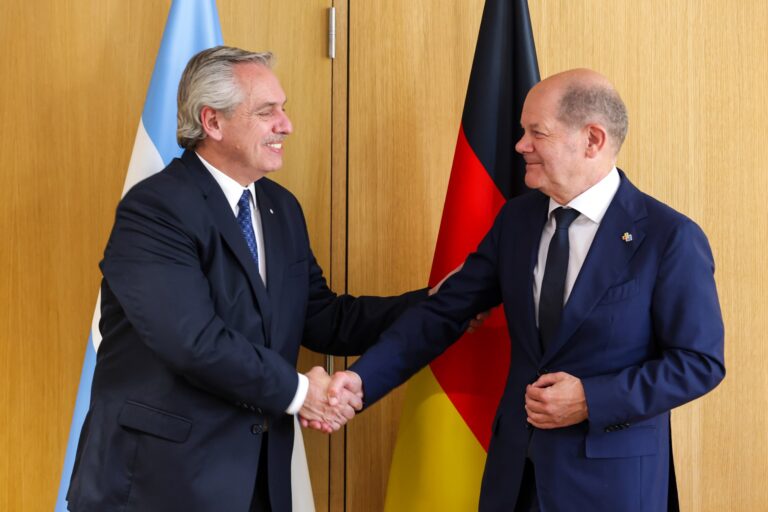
x: 438, y: 462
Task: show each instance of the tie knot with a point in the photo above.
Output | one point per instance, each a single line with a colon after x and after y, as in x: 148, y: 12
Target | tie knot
x: 564, y: 217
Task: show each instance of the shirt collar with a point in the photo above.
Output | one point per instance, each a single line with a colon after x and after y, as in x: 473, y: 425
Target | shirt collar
x: 593, y: 202
x: 232, y: 189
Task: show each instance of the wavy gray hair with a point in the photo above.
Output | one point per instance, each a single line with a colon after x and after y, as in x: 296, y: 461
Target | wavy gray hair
x: 209, y: 80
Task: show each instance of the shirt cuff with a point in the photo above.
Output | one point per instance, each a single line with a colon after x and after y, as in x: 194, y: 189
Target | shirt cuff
x: 300, y: 396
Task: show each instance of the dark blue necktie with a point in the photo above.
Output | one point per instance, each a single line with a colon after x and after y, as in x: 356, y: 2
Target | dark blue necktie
x: 553, y: 285
x: 246, y: 225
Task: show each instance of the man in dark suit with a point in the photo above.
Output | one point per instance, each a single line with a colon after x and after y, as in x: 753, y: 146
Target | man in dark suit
x: 209, y: 288
x: 612, y: 310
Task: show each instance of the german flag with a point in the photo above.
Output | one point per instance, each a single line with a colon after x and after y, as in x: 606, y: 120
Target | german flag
x: 449, y: 406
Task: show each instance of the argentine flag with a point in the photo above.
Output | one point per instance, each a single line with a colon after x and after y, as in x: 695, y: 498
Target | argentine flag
x: 192, y: 26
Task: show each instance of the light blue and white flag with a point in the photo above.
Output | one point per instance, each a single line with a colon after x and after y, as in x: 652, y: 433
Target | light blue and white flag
x: 192, y: 26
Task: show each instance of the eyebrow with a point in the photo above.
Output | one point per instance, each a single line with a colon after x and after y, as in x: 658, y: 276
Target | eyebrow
x: 270, y: 104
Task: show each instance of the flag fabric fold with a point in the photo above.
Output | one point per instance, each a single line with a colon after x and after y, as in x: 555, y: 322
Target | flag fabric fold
x: 190, y: 28
x: 449, y: 406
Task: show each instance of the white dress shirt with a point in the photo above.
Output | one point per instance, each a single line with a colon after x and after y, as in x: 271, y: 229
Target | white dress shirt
x: 233, y: 191
x: 592, y: 204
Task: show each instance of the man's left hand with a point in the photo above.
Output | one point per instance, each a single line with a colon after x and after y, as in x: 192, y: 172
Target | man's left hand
x: 556, y: 400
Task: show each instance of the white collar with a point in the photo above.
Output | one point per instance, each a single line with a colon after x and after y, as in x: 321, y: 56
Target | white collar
x: 593, y: 202
x: 232, y: 189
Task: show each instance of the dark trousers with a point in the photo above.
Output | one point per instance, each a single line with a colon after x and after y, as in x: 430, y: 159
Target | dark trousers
x: 527, y: 499
x: 260, y: 500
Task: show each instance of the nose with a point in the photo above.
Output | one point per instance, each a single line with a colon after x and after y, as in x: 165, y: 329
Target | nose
x: 284, y: 124
x: 523, y: 145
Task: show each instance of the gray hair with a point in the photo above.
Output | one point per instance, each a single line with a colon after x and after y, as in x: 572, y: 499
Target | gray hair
x: 583, y: 104
x: 209, y: 80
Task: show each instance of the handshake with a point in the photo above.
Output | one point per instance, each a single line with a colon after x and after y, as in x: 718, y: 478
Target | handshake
x: 331, y: 401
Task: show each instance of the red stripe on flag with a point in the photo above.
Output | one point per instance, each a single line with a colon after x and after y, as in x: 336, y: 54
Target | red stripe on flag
x: 473, y: 370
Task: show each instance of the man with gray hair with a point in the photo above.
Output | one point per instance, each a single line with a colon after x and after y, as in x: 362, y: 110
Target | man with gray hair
x: 209, y: 288
x: 612, y: 311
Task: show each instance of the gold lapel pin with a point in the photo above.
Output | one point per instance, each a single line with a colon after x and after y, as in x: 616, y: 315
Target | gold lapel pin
x: 627, y: 237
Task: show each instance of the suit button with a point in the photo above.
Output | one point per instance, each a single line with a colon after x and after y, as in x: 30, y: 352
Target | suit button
x: 257, y: 429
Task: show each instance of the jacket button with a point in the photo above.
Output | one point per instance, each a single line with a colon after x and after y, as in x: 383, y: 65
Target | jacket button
x: 257, y: 429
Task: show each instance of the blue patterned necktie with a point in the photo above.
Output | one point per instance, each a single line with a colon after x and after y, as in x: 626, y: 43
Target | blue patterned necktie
x: 246, y: 224
x: 553, y: 285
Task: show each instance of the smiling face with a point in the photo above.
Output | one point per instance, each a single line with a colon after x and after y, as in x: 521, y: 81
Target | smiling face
x: 552, y: 151
x: 562, y: 161
x: 247, y: 143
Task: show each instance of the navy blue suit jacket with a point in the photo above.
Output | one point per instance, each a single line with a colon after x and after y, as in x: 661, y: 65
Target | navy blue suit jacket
x: 198, y: 356
x: 642, y: 329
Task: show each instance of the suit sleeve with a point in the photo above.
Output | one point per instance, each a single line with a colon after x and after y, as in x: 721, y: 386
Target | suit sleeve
x: 152, y: 267
x: 688, y: 331
x: 344, y: 325
x: 427, y: 330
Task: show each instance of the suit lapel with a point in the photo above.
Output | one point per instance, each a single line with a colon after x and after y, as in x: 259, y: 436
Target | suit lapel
x: 606, y: 260
x: 225, y: 221
x: 273, y: 241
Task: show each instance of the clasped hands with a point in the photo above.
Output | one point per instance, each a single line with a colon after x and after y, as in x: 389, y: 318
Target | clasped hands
x: 331, y: 401
x: 556, y: 400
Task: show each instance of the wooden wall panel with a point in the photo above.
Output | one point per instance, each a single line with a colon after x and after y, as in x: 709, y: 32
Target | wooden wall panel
x: 408, y: 71
x: 74, y: 79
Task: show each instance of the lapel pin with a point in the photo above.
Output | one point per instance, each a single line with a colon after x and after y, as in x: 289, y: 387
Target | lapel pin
x: 271, y: 211
x: 627, y: 237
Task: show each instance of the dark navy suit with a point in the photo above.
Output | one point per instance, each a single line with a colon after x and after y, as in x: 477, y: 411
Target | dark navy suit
x: 198, y: 357
x: 642, y: 329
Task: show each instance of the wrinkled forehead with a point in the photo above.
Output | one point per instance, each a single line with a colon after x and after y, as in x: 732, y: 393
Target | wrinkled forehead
x: 259, y: 83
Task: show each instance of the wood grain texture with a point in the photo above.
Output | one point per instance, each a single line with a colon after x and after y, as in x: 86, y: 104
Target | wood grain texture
x: 337, y: 469
x: 408, y: 71
x: 75, y: 75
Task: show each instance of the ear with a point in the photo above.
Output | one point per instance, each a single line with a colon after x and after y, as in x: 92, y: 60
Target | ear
x: 211, y: 121
x: 597, y: 138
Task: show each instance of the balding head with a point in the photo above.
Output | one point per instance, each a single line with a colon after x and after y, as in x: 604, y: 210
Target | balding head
x: 586, y: 97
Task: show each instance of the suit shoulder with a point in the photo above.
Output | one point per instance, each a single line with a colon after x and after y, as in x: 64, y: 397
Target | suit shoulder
x: 673, y: 229
x: 523, y: 205
x: 275, y: 190
x: 169, y: 193
x: 165, y: 181
x: 278, y: 195
x: 661, y: 214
